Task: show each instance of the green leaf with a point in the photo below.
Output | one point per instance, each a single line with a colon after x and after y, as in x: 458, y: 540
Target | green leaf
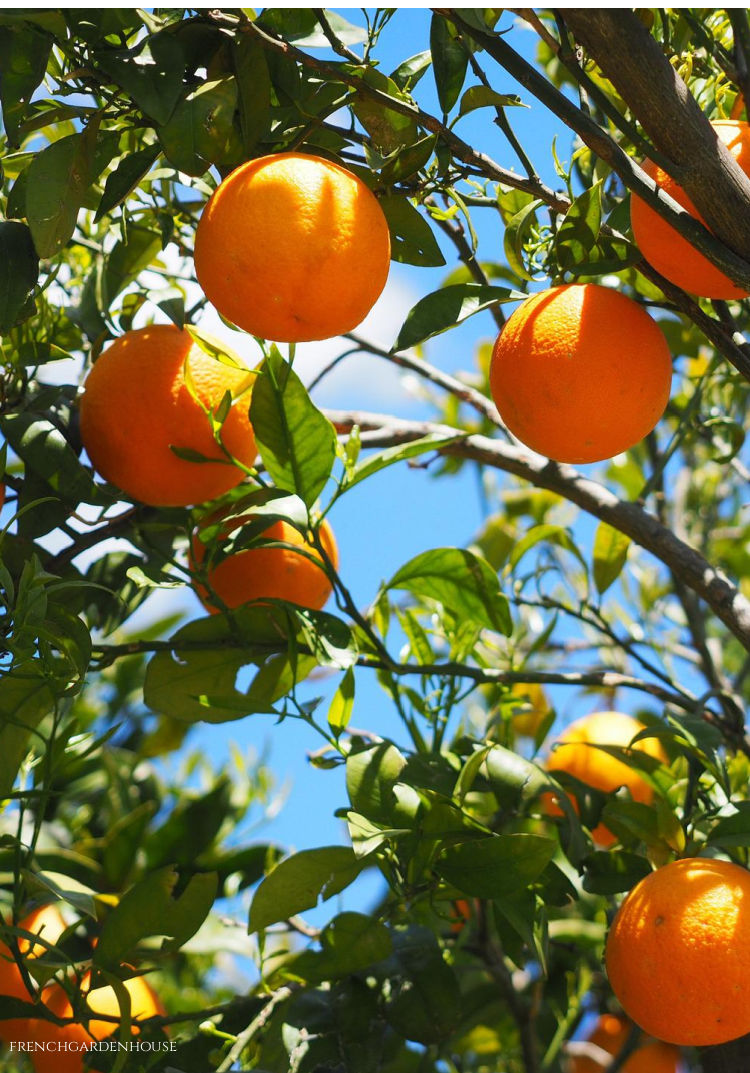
x: 613, y: 872
x: 423, y: 1000
x: 253, y: 88
x: 302, y: 27
x: 450, y: 59
x: 610, y: 554
x: 340, y: 711
x: 351, y: 943
x: 296, y: 442
x: 370, y: 777
x: 25, y: 699
x: 513, y: 778
x: 57, y: 181
x: 485, y: 97
x: 19, y: 271
x: 579, y: 230
x: 734, y: 830
x: 152, y: 73
x: 400, y: 453
x: 517, y: 233
x: 406, y: 162
x: 195, y: 679
x: 300, y: 881
x: 151, y: 909
x: 408, y: 73
x: 24, y: 52
x: 545, y: 534
x: 201, y: 131
x: 412, y: 239
x: 465, y: 584
x: 389, y: 130
x: 125, y: 178
x: 446, y: 308
x: 496, y: 867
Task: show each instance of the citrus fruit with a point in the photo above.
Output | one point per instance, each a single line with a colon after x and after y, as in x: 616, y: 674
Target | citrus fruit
x: 149, y: 392
x: 611, y: 1034
x: 575, y: 753
x: 580, y: 373
x: 678, y: 952
x: 532, y: 708
x: 144, y: 1003
x: 46, y: 922
x: 663, y: 246
x: 267, y: 572
x: 292, y: 247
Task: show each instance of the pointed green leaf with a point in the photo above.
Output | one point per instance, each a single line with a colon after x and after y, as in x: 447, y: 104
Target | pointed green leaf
x: 450, y: 58
x: 412, y: 239
x: 300, y: 881
x: 19, y: 271
x: 610, y: 554
x: 57, y: 181
x: 448, y: 307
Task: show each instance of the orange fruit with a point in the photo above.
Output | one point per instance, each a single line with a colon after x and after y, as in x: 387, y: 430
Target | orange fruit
x: 46, y: 922
x: 292, y: 247
x: 533, y: 706
x: 580, y: 373
x: 664, y: 248
x: 576, y: 755
x: 138, y: 403
x: 144, y: 1003
x: 263, y: 573
x: 611, y: 1034
x: 678, y: 952
x: 460, y: 915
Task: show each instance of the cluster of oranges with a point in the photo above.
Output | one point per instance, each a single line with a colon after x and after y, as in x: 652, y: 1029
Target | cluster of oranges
x: 63, y: 1048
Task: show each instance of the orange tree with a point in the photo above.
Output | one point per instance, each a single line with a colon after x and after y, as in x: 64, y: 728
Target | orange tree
x: 627, y: 582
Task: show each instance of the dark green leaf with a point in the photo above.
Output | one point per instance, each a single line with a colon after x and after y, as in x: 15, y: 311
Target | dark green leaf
x: 296, y: 442
x: 412, y: 240
x: 370, y: 777
x: 351, y: 943
x: 151, y: 73
x: 516, y: 235
x: 302, y: 27
x: 201, y: 131
x: 613, y: 872
x: 423, y: 999
x: 450, y: 59
x: 579, y: 230
x: 57, y: 181
x: 448, y: 307
x: 513, y: 778
x: 408, y: 73
x: 125, y: 178
x: 19, y: 271
x: 389, y: 130
x: 465, y: 584
x: 610, y: 554
x: 24, y: 52
x: 151, y: 909
x: 253, y: 88
x: 734, y: 830
x: 25, y: 699
x: 299, y: 882
x: 496, y: 867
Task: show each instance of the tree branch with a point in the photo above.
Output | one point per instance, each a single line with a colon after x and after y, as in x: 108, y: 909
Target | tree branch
x: 724, y: 598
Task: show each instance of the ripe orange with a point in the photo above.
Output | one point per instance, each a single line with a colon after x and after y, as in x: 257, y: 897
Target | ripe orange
x: 46, y: 922
x: 292, y: 247
x: 137, y: 404
x: 575, y: 754
x: 144, y: 1003
x: 665, y: 248
x: 678, y: 952
x: 262, y: 573
x: 580, y: 373
x: 611, y: 1034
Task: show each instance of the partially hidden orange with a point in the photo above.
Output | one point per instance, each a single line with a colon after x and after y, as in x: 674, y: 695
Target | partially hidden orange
x: 611, y: 1034
x: 49, y: 925
x: 152, y: 390
x: 59, y: 1058
x: 580, y: 373
x: 290, y: 568
x: 678, y: 952
x: 532, y: 708
x: 292, y: 247
x: 663, y: 246
x: 576, y: 754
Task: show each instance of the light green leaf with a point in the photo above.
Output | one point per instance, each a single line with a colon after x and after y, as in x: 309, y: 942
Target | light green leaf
x: 610, y: 554
x: 201, y: 131
x: 300, y: 881
x: 485, y: 97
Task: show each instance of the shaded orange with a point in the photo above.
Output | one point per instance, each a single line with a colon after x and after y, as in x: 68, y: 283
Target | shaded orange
x: 292, y: 247
x: 137, y: 404
x: 663, y: 246
x: 533, y: 707
x: 144, y: 1003
x: 678, y: 952
x: 262, y: 573
x: 611, y: 1034
x: 49, y: 924
x: 576, y: 755
x: 580, y: 373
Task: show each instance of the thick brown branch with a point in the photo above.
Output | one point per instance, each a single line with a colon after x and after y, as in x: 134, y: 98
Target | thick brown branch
x: 724, y: 598
x: 636, y: 66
